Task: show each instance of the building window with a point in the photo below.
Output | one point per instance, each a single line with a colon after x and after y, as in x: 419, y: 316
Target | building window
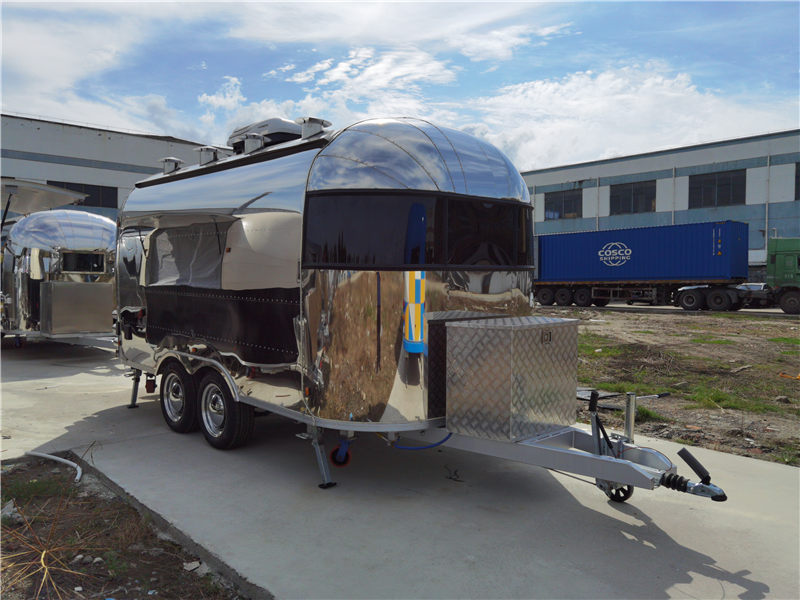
x: 98, y: 195
x: 717, y: 189
x: 628, y: 198
x: 567, y: 204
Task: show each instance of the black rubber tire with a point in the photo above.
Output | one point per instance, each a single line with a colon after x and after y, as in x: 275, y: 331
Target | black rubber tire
x: 620, y: 494
x: 225, y: 423
x: 790, y: 302
x: 583, y: 297
x: 601, y: 301
x: 563, y: 296
x: 545, y: 296
x: 178, y: 398
x: 336, y: 462
x: 718, y: 300
x: 692, y: 300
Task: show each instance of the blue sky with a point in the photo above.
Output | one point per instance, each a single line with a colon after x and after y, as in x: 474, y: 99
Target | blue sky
x: 549, y: 83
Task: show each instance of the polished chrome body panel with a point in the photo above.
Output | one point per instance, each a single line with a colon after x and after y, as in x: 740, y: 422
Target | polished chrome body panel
x: 210, y: 273
x: 58, y: 274
x: 416, y: 155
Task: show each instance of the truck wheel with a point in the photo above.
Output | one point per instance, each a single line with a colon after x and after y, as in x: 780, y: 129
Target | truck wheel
x: 790, y: 302
x: 226, y: 424
x: 718, y: 300
x: 601, y: 301
x: 563, y: 297
x: 583, y: 297
x: 692, y: 300
x: 545, y: 296
x: 178, y: 396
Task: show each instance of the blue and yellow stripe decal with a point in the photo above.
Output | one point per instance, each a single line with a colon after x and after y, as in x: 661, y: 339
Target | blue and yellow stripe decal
x: 413, y: 311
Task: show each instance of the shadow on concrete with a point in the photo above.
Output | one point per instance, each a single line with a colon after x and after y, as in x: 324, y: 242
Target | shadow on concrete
x: 63, y: 359
x: 496, y: 528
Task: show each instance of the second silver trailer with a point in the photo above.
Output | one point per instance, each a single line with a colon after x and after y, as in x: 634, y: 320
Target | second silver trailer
x: 371, y: 279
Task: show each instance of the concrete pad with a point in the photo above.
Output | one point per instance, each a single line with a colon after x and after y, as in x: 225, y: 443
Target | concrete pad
x: 432, y: 524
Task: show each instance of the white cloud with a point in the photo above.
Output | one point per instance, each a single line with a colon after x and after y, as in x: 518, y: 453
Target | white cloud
x: 588, y: 116
x: 310, y: 73
x: 228, y: 97
x: 498, y: 44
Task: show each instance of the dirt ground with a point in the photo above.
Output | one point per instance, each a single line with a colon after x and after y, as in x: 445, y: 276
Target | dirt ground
x: 66, y: 540
x: 722, y: 372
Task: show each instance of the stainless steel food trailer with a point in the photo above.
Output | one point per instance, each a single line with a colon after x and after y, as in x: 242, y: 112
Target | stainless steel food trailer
x: 58, y: 278
x: 373, y: 279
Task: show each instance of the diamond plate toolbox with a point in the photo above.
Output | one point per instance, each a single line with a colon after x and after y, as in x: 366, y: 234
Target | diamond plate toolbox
x: 511, y: 378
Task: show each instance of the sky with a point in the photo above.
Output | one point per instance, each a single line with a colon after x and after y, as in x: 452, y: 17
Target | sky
x: 548, y: 83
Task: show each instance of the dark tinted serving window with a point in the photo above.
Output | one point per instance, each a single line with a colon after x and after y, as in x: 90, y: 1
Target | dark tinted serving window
x: 409, y: 230
x: 82, y: 262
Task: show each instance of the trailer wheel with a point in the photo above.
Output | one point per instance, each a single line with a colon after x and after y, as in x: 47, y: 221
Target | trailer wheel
x: 226, y: 424
x: 692, y: 300
x: 178, y: 396
x: 336, y: 461
x: 583, y: 297
x: 563, y: 296
x: 545, y: 296
x: 790, y: 302
x: 718, y: 300
x: 620, y: 494
x: 601, y: 301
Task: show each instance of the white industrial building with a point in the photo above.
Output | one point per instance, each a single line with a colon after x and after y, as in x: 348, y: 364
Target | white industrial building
x: 101, y: 163
x: 755, y: 180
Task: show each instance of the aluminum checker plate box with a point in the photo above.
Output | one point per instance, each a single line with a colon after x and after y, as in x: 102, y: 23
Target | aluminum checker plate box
x: 512, y: 378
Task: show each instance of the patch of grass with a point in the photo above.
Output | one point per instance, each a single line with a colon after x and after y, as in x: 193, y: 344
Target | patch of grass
x: 24, y: 491
x: 707, y: 397
x: 791, y: 352
x: 644, y: 414
x: 115, y: 564
x: 788, y: 454
x: 785, y: 340
x: 709, y: 340
x: 737, y: 316
x: 684, y: 441
x: 589, y: 343
x: 643, y: 331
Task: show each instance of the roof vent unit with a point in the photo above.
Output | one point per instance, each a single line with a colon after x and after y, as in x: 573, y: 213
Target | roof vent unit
x: 311, y: 126
x: 171, y: 164
x: 253, y: 142
x: 272, y: 131
x: 208, y: 154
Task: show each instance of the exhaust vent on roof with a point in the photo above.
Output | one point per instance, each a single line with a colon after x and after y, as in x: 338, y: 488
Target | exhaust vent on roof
x: 208, y: 154
x: 272, y: 131
x: 311, y: 126
x: 171, y: 164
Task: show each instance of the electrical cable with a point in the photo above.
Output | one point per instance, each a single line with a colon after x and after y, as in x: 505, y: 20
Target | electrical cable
x: 439, y: 443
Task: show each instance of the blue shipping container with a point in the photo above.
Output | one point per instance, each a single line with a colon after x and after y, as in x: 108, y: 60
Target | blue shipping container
x: 692, y: 253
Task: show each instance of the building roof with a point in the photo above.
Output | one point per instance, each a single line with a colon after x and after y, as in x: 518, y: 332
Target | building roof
x: 605, y: 161
x: 162, y: 138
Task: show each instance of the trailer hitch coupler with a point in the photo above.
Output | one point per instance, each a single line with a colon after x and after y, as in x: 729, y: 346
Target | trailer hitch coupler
x: 694, y: 464
x: 704, y: 488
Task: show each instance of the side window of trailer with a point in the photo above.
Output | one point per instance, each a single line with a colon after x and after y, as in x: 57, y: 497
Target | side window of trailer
x: 189, y: 255
x: 408, y: 230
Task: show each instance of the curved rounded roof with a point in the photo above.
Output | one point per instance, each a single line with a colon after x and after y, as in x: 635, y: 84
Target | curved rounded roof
x: 409, y: 153
x: 63, y: 230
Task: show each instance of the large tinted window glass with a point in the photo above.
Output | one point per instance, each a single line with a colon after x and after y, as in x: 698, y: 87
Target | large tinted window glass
x: 566, y: 204
x: 639, y: 197
x: 395, y: 231
x: 98, y: 195
x: 726, y: 188
x: 481, y: 233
